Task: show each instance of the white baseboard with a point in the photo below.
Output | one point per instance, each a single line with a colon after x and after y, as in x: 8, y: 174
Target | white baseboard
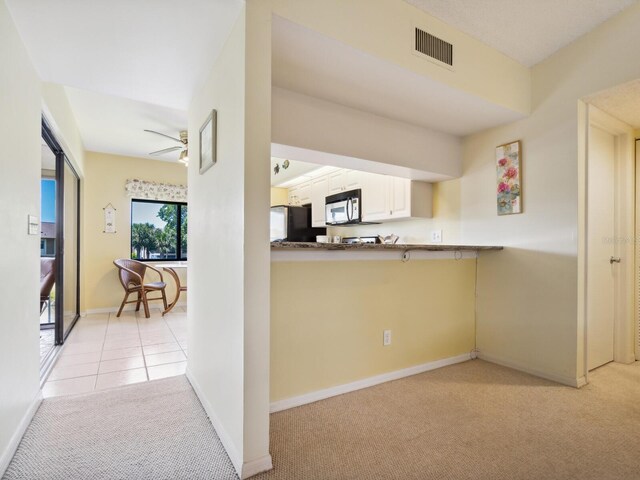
x: 554, y: 377
x: 364, y: 383
x: 225, y: 438
x: 10, y: 451
x: 127, y: 308
x: 249, y: 469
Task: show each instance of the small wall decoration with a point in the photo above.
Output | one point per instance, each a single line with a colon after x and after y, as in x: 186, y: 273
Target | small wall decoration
x: 208, y: 140
x: 285, y: 165
x: 508, y: 164
x: 109, y: 219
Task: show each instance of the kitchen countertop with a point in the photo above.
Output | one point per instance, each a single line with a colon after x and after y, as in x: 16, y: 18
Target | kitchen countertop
x: 379, y: 246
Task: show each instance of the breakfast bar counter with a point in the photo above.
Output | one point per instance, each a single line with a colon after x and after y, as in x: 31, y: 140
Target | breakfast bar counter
x: 316, y: 251
x: 403, y: 247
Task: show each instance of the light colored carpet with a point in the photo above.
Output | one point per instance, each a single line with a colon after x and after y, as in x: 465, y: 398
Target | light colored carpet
x: 469, y: 421
x: 150, y: 431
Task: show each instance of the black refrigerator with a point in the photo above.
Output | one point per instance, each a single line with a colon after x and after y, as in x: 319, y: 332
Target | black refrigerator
x: 293, y: 224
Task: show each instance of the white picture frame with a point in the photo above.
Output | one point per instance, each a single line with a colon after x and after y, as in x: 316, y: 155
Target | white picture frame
x: 208, y: 141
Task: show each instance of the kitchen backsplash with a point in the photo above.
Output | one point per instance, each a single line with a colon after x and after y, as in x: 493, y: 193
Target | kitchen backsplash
x: 414, y: 231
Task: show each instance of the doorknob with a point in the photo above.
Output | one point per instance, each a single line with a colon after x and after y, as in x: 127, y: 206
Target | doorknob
x: 613, y: 260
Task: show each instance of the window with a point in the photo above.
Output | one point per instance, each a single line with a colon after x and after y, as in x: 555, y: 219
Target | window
x: 158, y: 230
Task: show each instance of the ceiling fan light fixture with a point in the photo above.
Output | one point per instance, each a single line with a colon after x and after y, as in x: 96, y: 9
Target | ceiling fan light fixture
x: 184, y: 158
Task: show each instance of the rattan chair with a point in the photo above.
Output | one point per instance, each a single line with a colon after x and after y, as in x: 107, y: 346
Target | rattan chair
x: 47, y: 281
x: 131, y: 274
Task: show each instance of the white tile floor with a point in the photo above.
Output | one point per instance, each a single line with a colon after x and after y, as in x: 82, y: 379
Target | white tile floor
x: 104, y: 351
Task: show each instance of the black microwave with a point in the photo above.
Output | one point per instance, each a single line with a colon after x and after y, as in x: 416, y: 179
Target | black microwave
x: 345, y: 209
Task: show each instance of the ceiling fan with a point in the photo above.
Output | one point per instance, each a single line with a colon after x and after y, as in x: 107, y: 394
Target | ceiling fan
x: 184, y: 146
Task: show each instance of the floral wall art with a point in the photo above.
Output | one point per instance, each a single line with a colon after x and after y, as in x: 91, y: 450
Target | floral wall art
x: 508, y: 163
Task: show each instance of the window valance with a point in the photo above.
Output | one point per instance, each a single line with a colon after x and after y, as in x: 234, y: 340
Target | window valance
x: 156, y: 191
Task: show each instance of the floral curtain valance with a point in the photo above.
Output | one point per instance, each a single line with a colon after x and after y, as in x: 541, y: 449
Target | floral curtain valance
x: 156, y: 191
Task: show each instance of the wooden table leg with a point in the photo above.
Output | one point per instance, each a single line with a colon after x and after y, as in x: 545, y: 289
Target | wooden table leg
x: 173, y: 273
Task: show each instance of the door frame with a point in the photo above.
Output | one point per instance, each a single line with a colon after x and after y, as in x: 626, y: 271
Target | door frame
x: 624, y: 232
x: 636, y: 293
x: 61, y: 162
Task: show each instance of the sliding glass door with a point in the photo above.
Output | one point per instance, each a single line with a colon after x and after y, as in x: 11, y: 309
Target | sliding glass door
x: 48, y: 195
x: 70, y: 264
x: 66, y: 244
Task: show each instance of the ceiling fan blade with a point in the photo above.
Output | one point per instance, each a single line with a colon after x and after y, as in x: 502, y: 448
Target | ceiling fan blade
x: 172, y: 138
x: 166, y: 150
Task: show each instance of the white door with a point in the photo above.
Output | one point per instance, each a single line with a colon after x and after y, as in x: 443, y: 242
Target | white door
x: 601, y: 248
x: 637, y: 285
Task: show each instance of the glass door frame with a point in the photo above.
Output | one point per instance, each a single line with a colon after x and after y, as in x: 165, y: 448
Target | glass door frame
x: 61, y: 162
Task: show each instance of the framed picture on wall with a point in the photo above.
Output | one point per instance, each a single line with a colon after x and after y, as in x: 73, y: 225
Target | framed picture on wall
x: 208, y: 140
x: 509, y: 188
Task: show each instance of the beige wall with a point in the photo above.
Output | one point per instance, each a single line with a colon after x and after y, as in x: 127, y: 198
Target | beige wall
x: 528, y: 294
x: 279, y: 196
x: 57, y: 111
x: 20, y: 103
x: 105, y: 177
x: 327, y: 319
x: 384, y: 29
x: 316, y: 125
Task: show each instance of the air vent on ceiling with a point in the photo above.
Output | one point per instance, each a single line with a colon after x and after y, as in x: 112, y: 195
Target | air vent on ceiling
x: 433, y: 47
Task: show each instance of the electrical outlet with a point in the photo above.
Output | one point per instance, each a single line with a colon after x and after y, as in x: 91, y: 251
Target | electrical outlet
x: 436, y: 236
x: 386, y: 338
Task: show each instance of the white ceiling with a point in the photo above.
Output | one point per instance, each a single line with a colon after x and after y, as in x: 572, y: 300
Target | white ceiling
x: 135, y: 65
x: 154, y: 51
x: 131, y: 65
x: 526, y: 30
x: 310, y: 63
x: 295, y: 170
x: 116, y: 125
x: 622, y: 102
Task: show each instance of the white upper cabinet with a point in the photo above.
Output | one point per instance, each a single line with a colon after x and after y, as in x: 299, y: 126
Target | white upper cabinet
x: 387, y: 198
x: 352, y: 179
x: 400, y: 193
x: 293, y: 195
x: 375, y: 197
x: 384, y: 198
x: 343, y: 180
x: 304, y: 193
x: 319, y: 192
x: 300, y: 194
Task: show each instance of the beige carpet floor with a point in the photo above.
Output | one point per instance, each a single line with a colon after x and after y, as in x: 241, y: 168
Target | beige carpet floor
x: 149, y: 431
x: 475, y: 421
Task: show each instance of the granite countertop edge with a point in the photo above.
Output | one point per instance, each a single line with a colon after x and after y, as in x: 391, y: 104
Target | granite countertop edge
x: 378, y: 246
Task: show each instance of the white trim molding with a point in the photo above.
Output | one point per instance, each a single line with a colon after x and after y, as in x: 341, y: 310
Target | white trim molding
x: 127, y: 308
x: 14, y: 442
x: 225, y: 438
x: 311, y: 397
x: 554, y: 377
x: 254, y: 467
